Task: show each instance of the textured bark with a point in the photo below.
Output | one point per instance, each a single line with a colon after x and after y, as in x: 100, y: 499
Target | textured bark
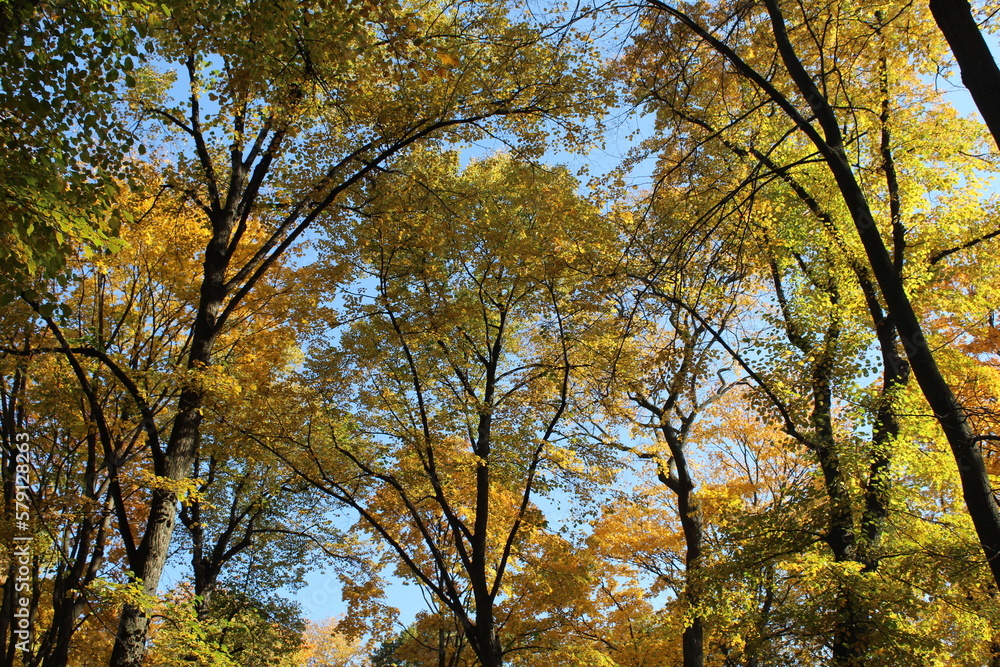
x: 693, y: 639
x: 181, y: 451
x: 689, y: 510
x: 485, y: 641
x: 133, y: 625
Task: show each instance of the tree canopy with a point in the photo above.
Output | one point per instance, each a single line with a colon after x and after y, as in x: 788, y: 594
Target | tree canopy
x: 301, y: 291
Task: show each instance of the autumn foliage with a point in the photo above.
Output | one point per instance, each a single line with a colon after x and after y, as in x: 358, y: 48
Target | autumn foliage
x: 300, y: 292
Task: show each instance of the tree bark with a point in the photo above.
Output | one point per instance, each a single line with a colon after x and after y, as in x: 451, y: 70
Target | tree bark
x: 64, y: 626
x: 976, y: 486
x: 980, y: 73
x: 181, y: 451
x: 486, y: 643
x: 693, y: 639
x: 676, y: 476
x: 689, y: 511
x: 133, y: 626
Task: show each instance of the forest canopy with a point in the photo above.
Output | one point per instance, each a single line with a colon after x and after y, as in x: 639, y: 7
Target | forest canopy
x: 385, y: 295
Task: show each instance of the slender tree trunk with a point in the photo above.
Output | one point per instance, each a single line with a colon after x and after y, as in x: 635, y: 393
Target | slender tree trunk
x: 485, y: 641
x: 693, y: 639
x: 483, y: 635
x: 7, y: 605
x: 7, y: 616
x: 677, y: 477
x: 11, y: 421
x: 976, y: 486
x: 848, y: 634
x: 203, y: 606
x: 65, y: 626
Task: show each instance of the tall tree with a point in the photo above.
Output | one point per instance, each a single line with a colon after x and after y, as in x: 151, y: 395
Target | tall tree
x: 85, y: 439
x: 677, y: 371
x: 122, y: 351
x: 287, y: 108
x: 802, y: 51
x: 445, y: 393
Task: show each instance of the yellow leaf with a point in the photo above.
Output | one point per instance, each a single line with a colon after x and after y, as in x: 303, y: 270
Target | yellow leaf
x: 447, y: 59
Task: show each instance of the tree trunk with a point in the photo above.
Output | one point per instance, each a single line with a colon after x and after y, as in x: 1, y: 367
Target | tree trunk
x: 180, y: 454
x: 848, y: 633
x: 7, y: 616
x: 64, y: 623
x: 486, y: 643
x: 848, y: 641
x: 979, y: 71
x: 976, y: 487
x: 677, y: 477
x: 133, y: 627
x: 693, y: 639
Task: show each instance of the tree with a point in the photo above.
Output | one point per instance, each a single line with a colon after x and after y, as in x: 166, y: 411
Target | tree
x: 241, y: 630
x: 327, y: 646
x: 84, y: 506
x: 790, y: 86
x: 439, y: 402
x: 249, y: 524
x: 299, y: 124
x: 62, y: 139
x: 758, y: 180
x: 311, y: 298
x: 673, y: 376
x: 94, y: 446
